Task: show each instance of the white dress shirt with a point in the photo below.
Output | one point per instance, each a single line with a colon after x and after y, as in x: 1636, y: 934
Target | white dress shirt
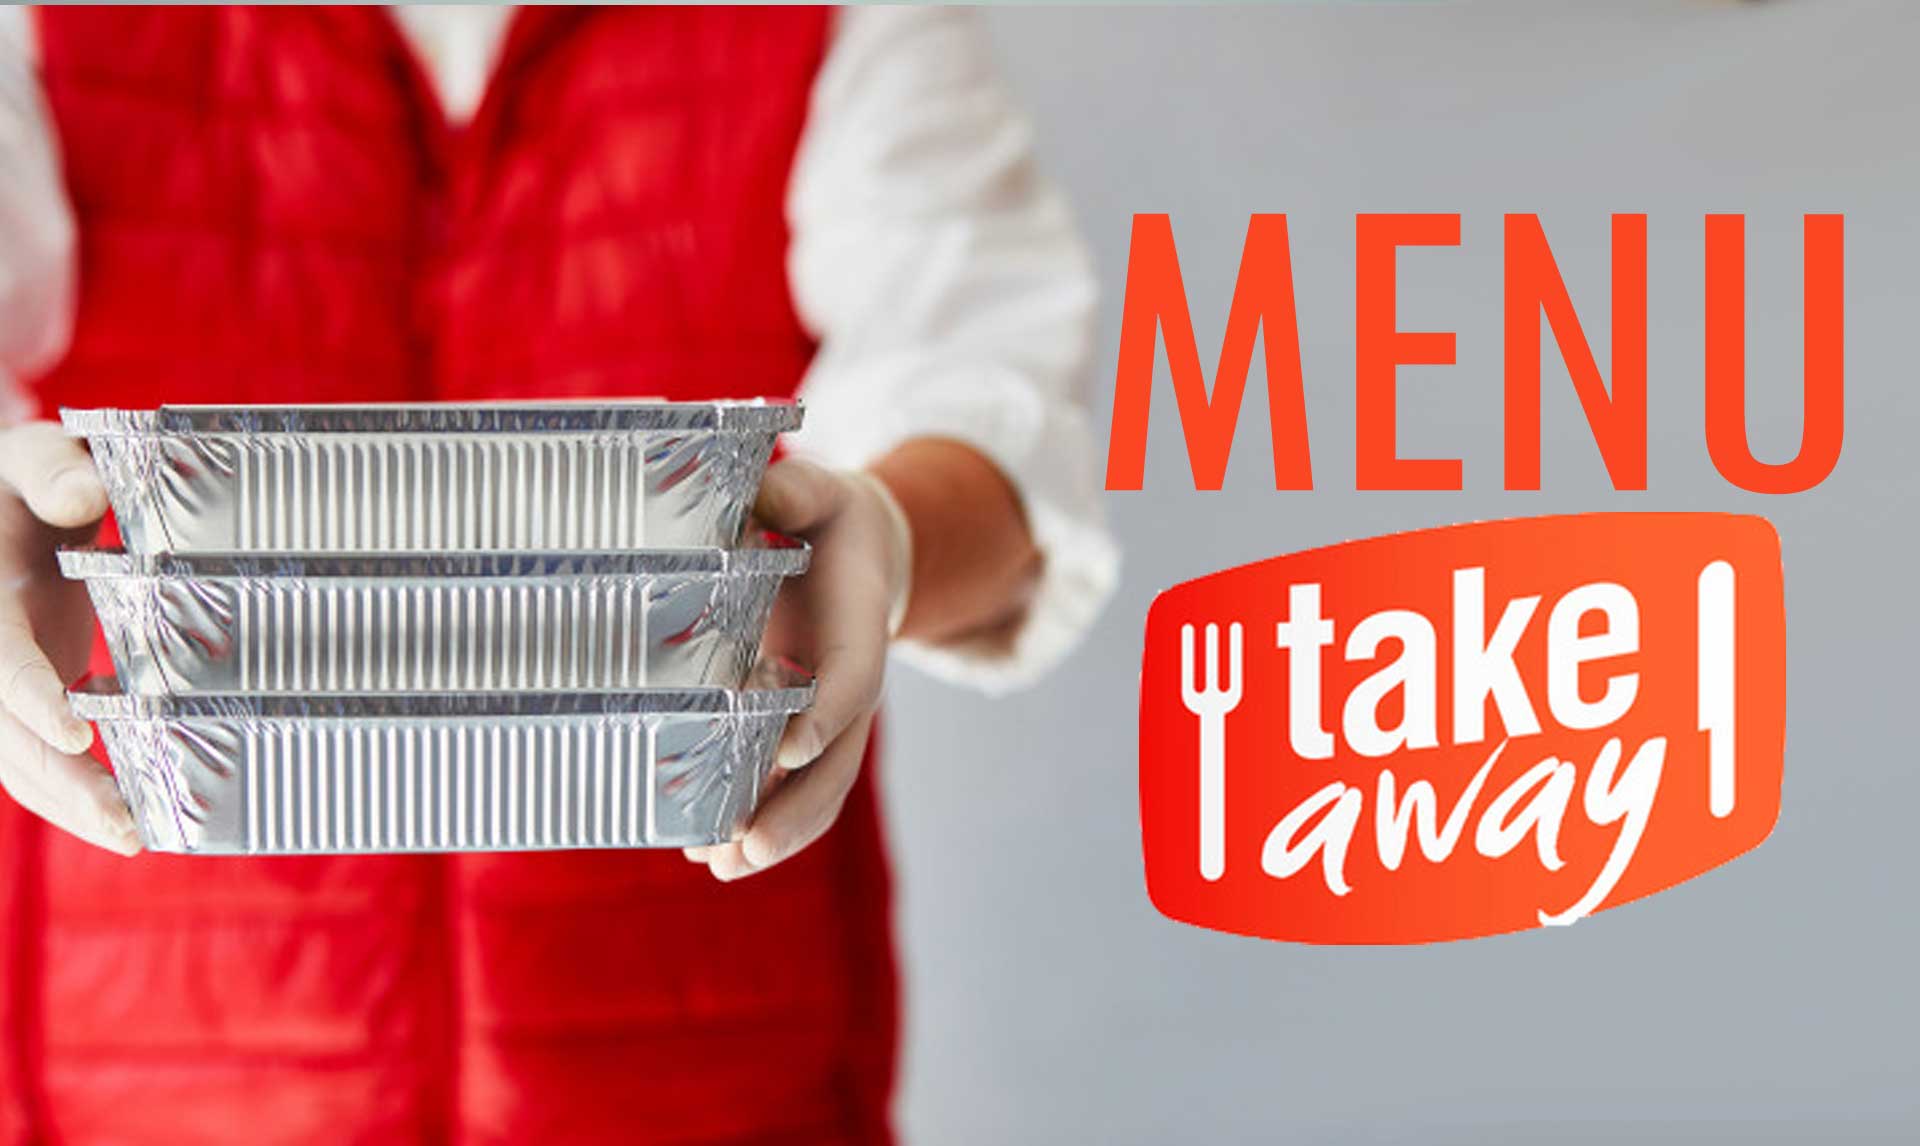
x: 942, y: 275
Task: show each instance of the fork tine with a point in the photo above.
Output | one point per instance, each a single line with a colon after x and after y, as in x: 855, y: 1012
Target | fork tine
x: 1189, y: 688
x: 1213, y: 657
x: 1233, y: 662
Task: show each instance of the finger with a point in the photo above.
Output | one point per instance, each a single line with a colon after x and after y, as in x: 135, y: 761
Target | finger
x: 807, y: 805
x: 847, y: 682
x: 30, y: 689
x: 727, y: 863
x: 71, y: 792
x: 847, y: 688
x: 797, y: 495
x: 53, y: 474
x: 850, y: 661
x: 89, y: 820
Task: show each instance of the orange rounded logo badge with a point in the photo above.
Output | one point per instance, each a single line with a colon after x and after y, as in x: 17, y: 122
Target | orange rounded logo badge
x: 1462, y: 731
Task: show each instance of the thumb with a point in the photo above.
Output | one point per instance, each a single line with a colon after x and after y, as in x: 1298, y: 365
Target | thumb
x: 796, y: 496
x: 53, y: 474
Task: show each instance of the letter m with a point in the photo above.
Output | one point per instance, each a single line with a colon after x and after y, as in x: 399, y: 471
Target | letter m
x: 1156, y: 301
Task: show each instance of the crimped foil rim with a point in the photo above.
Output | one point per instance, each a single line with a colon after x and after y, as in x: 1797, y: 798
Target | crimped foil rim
x: 780, y: 556
x: 99, y: 699
x: 757, y: 415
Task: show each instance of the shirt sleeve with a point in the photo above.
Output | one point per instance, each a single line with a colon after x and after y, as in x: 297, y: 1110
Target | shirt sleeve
x: 953, y: 297
x: 36, y: 226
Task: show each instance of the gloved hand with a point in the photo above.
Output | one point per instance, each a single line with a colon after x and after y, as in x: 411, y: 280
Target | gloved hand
x: 50, y: 495
x: 837, y: 619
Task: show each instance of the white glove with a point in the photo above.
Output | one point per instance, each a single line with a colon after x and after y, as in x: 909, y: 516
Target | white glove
x: 837, y: 619
x: 50, y: 495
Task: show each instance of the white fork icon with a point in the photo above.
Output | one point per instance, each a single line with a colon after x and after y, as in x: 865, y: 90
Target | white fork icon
x: 1211, y: 702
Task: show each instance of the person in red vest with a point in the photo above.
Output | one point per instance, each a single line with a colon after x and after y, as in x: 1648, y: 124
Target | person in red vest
x: 313, y: 205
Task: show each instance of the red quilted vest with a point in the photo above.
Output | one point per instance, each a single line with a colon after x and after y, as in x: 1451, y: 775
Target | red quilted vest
x: 271, y: 208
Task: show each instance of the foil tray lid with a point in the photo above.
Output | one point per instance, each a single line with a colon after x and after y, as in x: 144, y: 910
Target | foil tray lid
x: 770, y: 554
x: 757, y: 415
x: 774, y: 688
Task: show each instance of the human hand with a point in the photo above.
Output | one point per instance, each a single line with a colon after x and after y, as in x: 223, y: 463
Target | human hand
x: 837, y: 619
x: 50, y: 495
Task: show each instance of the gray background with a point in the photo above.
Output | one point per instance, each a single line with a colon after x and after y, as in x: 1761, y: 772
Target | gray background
x: 1771, y: 1001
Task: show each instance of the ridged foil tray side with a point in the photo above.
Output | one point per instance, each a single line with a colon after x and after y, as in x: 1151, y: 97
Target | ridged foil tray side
x: 188, y: 491
x: 564, y: 416
x: 249, y: 784
x: 178, y: 634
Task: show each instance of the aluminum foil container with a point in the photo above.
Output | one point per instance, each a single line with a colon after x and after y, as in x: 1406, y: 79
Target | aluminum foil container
x: 469, y: 622
x: 442, y: 772
x: 196, y: 479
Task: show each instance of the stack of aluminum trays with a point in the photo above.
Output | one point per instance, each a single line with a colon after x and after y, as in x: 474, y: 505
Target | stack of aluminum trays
x: 341, y: 629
